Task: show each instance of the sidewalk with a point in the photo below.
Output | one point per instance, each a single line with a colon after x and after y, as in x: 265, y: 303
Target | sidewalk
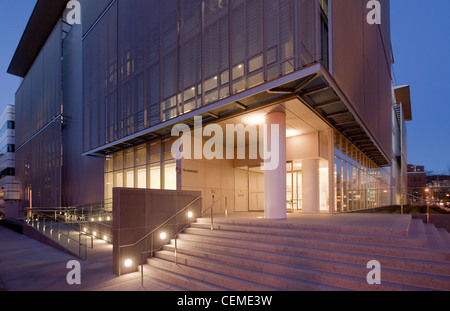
x: 27, y: 265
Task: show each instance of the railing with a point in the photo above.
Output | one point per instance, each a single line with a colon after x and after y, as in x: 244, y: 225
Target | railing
x: 74, y: 228
x: 65, y: 234
x: 189, y: 217
x: 414, y: 199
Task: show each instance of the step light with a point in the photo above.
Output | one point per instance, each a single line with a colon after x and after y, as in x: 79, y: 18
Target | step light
x: 128, y: 263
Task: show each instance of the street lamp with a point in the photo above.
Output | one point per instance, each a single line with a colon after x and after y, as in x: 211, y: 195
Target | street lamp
x: 428, y: 205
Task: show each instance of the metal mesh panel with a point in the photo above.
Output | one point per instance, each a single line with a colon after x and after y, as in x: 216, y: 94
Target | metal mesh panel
x: 38, y: 99
x: 40, y: 168
x: 38, y: 133
x: 100, y: 121
x: 175, y: 56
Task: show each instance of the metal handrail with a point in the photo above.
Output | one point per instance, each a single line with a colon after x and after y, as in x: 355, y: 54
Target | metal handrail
x: 60, y: 232
x: 162, y: 225
x: 202, y: 213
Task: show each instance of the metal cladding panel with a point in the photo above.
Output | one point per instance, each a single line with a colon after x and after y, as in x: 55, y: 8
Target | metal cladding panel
x: 40, y: 167
x: 38, y: 99
x: 38, y: 125
x: 100, y: 105
x: 91, y: 10
x: 167, y: 58
x: 363, y: 70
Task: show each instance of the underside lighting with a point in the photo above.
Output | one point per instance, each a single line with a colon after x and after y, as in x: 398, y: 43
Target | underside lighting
x: 255, y: 119
x: 293, y: 133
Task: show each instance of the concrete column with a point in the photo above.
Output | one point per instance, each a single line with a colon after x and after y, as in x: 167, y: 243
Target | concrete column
x: 275, y: 177
x: 311, y: 186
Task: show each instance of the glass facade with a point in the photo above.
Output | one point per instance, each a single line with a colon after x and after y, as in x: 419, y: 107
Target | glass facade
x: 147, y: 166
x: 358, y: 180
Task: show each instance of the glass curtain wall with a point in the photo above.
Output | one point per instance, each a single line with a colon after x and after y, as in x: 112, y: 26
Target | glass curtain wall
x: 358, y: 180
x: 147, y: 166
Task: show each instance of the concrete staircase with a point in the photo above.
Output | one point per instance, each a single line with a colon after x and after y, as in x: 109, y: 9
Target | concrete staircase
x: 254, y: 255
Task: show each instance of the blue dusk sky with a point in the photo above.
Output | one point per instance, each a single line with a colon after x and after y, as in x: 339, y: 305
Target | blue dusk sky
x: 421, y: 45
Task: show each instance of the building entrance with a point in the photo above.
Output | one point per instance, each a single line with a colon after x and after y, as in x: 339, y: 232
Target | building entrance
x: 294, y: 187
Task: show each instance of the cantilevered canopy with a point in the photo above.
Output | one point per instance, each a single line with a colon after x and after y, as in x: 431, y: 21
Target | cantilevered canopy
x: 45, y: 15
x: 309, y: 86
x: 403, y: 96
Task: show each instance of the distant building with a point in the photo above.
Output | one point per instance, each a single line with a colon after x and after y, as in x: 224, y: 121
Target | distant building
x: 9, y: 187
x: 439, y: 188
x: 417, y: 180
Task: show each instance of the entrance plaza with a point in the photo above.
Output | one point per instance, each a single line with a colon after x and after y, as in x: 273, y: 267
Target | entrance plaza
x: 27, y: 265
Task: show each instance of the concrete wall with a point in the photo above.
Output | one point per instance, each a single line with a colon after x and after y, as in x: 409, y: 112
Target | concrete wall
x: 136, y: 212
x: 215, y: 179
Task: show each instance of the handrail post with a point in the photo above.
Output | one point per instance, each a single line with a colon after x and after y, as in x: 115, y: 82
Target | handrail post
x: 151, y: 245
x: 401, y: 198
x: 142, y: 272
x: 79, y: 244
x: 176, y: 248
x: 212, y: 217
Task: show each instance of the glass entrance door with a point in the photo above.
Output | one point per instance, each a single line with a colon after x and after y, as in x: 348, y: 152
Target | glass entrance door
x: 293, y: 188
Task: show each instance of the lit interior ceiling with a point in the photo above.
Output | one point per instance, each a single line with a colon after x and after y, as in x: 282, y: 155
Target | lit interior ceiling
x: 311, y: 104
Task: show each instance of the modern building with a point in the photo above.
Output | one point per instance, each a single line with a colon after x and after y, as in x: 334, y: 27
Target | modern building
x: 417, y: 180
x: 10, y: 204
x: 99, y: 100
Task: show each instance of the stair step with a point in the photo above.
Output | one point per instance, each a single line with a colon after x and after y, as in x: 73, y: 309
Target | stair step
x: 181, y: 280
x: 435, y: 240
x: 438, y: 268
x: 246, y: 254
x: 374, y: 250
x: 327, y: 272
x: 288, y: 278
x: 165, y: 262
x: 346, y: 223
x: 445, y: 236
x: 255, y: 279
x: 417, y: 241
